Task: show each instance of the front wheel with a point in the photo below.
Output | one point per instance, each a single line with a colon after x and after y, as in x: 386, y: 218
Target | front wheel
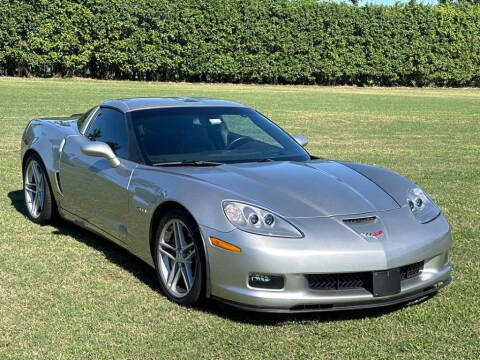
x: 179, y: 257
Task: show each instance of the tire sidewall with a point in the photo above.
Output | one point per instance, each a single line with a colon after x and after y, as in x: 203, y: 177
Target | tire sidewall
x: 197, y: 291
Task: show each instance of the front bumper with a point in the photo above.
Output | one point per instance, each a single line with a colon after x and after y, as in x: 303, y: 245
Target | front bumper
x: 343, y: 306
x: 293, y: 259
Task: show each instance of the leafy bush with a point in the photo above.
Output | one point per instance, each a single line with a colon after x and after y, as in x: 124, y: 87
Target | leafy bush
x: 262, y: 41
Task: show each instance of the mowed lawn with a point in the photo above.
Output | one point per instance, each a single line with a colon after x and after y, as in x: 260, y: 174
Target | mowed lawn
x: 68, y: 294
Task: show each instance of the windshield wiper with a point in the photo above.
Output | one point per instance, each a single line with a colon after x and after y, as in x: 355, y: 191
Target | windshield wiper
x: 188, y: 163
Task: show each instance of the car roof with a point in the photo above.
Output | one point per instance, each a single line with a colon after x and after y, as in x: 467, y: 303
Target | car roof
x: 133, y: 104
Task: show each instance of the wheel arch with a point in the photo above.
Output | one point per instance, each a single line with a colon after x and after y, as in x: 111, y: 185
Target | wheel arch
x: 26, y: 156
x: 159, y: 212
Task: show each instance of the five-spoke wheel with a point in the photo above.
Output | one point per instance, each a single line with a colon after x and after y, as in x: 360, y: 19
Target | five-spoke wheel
x: 179, y: 257
x: 34, y: 188
x: 177, y: 252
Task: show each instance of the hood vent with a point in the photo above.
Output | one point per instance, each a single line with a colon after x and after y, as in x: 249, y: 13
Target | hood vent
x: 364, y: 220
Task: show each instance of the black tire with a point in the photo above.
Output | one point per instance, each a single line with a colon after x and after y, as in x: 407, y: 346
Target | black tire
x: 196, y: 292
x: 48, y: 210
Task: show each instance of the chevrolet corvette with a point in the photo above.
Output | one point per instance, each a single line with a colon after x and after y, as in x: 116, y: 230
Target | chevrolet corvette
x: 226, y: 205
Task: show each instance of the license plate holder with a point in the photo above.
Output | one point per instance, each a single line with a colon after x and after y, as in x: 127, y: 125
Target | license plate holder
x: 386, y: 282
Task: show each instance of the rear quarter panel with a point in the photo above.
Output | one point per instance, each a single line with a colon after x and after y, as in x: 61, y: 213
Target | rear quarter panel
x: 45, y: 137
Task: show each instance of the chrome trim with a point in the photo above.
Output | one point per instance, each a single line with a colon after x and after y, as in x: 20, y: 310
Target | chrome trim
x: 89, y: 119
x: 130, y: 177
x: 62, y: 144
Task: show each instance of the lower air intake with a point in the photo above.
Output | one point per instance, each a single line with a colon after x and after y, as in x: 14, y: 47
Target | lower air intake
x: 339, y: 281
x: 358, y: 280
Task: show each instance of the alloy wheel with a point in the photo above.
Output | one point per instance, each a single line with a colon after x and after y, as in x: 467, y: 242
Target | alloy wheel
x: 34, y: 187
x: 178, y: 258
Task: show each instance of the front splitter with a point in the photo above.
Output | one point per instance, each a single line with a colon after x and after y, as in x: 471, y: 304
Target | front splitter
x: 309, y: 308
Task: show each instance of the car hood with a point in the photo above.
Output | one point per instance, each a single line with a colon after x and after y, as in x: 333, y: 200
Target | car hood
x: 297, y: 189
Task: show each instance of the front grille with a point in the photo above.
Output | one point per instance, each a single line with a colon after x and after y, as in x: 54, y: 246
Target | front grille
x: 411, y: 271
x: 339, y: 281
x: 358, y: 280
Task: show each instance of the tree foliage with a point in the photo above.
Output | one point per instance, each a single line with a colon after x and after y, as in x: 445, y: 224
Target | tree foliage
x: 262, y: 41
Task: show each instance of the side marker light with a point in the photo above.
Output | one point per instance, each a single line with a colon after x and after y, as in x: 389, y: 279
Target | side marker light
x: 224, y: 245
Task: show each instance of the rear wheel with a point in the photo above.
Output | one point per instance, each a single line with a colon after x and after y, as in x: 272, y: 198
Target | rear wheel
x: 179, y: 258
x: 38, y: 196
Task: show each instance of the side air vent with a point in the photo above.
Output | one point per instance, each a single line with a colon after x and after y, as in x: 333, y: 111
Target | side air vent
x: 59, y: 184
x: 363, y: 220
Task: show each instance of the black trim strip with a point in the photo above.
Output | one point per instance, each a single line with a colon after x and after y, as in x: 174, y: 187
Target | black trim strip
x: 95, y: 229
x: 345, y: 163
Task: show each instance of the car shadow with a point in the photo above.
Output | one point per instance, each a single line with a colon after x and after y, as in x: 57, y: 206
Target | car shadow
x: 114, y: 253
x: 146, y: 274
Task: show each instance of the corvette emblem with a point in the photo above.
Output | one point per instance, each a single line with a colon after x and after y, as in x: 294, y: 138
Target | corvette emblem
x: 375, y: 234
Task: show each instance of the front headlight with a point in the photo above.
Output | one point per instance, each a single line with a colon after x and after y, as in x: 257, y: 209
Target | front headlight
x: 256, y: 220
x: 421, y: 205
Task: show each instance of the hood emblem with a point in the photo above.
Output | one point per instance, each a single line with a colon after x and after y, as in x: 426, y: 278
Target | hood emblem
x: 375, y: 234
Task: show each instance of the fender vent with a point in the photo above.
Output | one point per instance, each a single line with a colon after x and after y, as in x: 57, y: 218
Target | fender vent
x: 363, y: 220
x: 59, y: 184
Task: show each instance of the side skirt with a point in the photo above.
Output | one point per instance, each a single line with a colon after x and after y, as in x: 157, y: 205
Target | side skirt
x: 84, y: 224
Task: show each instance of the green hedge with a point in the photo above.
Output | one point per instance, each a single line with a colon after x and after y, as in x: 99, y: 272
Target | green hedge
x: 263, y: 41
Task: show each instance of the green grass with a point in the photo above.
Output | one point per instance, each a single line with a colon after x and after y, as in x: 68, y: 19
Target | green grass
x: 66, y: 293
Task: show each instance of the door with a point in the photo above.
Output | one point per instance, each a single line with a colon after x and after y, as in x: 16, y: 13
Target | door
x: 92, y: 189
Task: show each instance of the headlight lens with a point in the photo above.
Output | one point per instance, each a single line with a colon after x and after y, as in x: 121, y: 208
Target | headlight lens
x: 260, y: 221
x: 421, y: 205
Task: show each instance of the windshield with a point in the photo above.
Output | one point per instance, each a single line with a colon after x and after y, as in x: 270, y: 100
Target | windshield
x: 217, y: 134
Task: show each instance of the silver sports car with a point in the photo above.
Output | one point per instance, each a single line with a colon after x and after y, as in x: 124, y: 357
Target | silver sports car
x: 224, y: 204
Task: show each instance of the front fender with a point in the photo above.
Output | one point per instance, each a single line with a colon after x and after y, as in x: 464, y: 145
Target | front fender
x: 150, y: 188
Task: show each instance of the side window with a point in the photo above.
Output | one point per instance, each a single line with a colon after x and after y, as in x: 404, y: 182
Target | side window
x: 81, y: 119
x: 109, y: 127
